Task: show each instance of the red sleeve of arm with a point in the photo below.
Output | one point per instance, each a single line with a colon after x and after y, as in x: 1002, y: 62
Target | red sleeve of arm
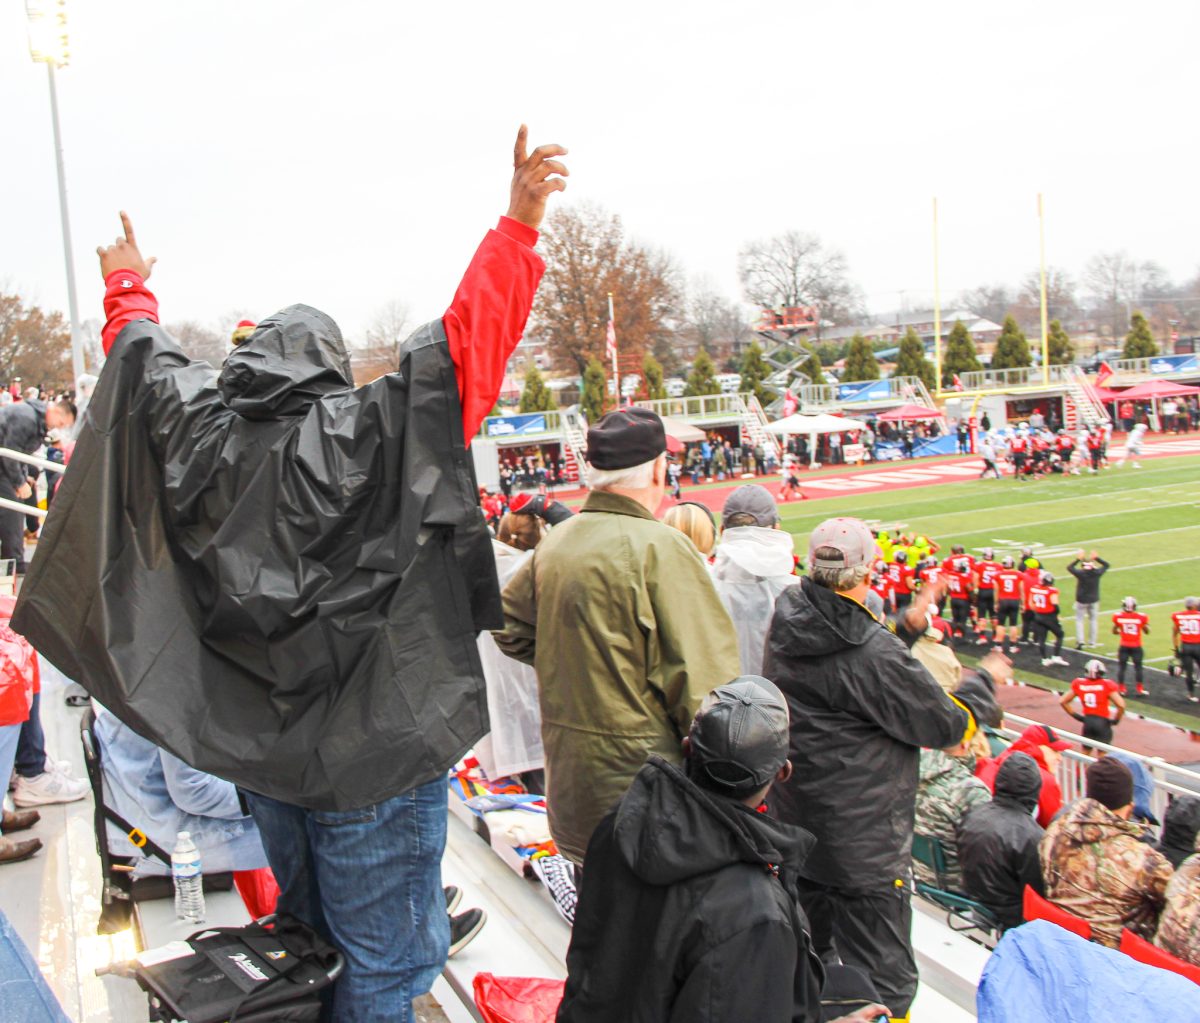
x: 487, y: 317
x: 126, y: 298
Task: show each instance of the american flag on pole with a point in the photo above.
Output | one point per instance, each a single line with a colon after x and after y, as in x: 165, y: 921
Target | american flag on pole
x: 958, y: 384
x: 789, y: 402
x: 610, y: 346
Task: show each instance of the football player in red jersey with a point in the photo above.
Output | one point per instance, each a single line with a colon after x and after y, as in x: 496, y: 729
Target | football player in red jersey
x: 901, y: 576
x: 1131, y: 625
x: 958, y: 578
x: 1185, y: 634
x: 1043, y: 602
x: 882, y: 585
x: 985, y: 593
x: 929, y: 572
x: 1010, y: 593
x: 1018, y: 450
x: 1094, y: 694
x: 958, y: 553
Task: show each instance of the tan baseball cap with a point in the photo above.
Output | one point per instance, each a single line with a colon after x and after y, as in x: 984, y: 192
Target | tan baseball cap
x: 851, y: 538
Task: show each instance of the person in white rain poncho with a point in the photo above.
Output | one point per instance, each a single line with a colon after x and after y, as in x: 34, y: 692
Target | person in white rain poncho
x: 754, y: 564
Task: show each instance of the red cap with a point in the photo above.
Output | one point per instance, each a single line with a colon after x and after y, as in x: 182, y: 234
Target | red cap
x: 1044, y: 735
x: 246, y: 323
x: 519, y: 502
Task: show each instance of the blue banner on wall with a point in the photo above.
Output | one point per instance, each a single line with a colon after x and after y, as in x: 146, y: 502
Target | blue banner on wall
x: 870, y: 390
x: 515, y: 426
x: 1174, y: 363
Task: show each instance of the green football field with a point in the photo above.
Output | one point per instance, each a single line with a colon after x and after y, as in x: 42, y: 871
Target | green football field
x: 1145, y: 522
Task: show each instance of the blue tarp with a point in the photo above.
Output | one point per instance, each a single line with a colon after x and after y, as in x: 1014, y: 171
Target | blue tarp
x: 1041, y: 973
x: 25, y: 997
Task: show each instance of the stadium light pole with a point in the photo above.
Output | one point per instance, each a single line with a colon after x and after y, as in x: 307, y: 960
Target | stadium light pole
x: 48, y: 45
x: 1045, y: 334
x: 937, y: 309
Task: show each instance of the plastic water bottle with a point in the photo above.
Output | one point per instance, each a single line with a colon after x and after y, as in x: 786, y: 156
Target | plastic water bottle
x: 189, y: 881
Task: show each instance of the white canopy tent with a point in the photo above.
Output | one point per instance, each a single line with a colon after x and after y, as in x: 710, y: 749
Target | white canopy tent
x: 814, y: 425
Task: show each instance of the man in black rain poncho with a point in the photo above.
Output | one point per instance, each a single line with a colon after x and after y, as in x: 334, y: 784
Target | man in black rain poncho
x: 279, y: 578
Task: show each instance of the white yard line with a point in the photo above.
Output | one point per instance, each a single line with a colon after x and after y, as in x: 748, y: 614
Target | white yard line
x: 1080, y: 518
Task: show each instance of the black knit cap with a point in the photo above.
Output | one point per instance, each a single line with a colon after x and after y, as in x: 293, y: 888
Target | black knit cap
x: 1110, y: 783
x: 624, y: 438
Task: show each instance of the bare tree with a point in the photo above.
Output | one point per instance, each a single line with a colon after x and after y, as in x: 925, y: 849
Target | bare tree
x: 199, y: 342
x: 797, y: 268
x: 991, y: 301
x: 1117, y: 283
x: 1061, y: 303
x: 388, y: 329
x: 712, y: 322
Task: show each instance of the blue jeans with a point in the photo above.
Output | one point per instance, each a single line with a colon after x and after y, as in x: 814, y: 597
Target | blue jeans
x: 370, y: 881
x: 31, y: 750
x: 9, y: 736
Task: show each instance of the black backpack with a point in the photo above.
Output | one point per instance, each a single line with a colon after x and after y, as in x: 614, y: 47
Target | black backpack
x: 269, y: 971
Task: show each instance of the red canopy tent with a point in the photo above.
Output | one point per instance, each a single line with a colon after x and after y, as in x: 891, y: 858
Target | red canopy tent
x: 905, y: 413
x: 1155, y: 389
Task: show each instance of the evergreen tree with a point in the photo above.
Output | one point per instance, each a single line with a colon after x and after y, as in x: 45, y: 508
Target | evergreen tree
x: 652, y: 374
x: 703, y: 377
x: 960, y: 354
x: 861, y: 363
x: 535, y: 395
x: 1060, y: 350
x: 754, y: 370
x: 1139, y: 342
x: 592, y: 398
x: 1012, y: 349
x: 911, y: 361
x: 812, y: 367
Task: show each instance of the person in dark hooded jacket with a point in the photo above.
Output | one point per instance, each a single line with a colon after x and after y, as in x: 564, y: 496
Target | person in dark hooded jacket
x: 998, y: 842
x: 279, y: 578
x: 688, y: 911
x: 22, y: 428
x: 1181, y: 823
x: 861, y: 709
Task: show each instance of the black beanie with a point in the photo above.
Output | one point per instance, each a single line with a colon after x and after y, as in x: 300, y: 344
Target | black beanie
x: 1110, y: 783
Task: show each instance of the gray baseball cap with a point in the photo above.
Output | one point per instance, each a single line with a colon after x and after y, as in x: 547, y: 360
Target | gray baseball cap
x: 851, y: 538
x: 739, y: 736
x: 751, y: 499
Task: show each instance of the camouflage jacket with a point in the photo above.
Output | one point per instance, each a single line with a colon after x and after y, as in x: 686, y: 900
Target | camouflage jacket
x: 947, y: 788
x: 1179, y: 927
x: 1096, y: 868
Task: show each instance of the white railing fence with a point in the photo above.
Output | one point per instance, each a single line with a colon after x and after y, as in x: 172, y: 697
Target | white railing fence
x: 41, y: 463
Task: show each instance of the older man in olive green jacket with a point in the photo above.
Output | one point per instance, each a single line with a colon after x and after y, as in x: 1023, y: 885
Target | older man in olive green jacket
x: 618, y: 614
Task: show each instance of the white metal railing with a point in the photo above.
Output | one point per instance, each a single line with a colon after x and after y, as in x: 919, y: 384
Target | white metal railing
x: 41, y: 463
x: 1018, y: 376
x: 706, y: 406
x: 1168, y: 779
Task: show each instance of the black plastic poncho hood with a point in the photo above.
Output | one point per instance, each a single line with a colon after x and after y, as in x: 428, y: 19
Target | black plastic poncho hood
x: 274, y: 576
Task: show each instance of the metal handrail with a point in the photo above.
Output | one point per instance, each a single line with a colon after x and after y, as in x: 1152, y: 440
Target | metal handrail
x: 41, y: 463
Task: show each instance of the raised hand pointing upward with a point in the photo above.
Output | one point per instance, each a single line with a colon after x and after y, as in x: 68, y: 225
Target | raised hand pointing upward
x: 123, y: 254
x: 534, y: 179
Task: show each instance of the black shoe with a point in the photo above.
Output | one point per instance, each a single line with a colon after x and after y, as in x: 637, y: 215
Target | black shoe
x: 464, y: 927
x: 453, y: 898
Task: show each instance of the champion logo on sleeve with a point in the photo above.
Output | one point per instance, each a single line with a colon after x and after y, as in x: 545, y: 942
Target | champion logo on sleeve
x: 126, y: 282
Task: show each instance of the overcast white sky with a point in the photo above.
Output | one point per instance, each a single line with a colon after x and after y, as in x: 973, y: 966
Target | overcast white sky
x: 344, y: 154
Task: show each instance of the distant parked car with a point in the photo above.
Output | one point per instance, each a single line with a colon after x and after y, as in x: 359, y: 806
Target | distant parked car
x: 675, y: 387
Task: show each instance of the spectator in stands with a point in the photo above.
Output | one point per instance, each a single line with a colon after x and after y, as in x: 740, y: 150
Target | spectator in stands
x: 620, y: 619
x: 946, y: 790
x: 157, y: 793
x: 1045, y: 746
x: 861, y: 709
x: 1095, y: 863
x: 998, y: 842
x: 1181, y: 824
x: 1179, y: 925
x: 695, y: 522
x: 699, y: 921
x: 22, y: 428
x: 1087, y: 571
x: 754, y: 564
